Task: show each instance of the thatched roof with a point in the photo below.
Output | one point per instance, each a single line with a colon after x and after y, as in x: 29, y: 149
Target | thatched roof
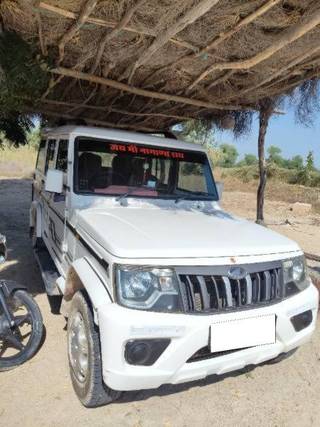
x: 149, y: 64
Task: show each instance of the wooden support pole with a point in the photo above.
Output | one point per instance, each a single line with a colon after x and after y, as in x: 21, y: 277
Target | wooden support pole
x: 94, y: 121
x: 146, y: 93
x: 264, y: 116
x: 73, y: 106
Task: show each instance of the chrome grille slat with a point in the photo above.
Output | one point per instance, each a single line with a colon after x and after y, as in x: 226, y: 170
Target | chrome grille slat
x: 227, y: 288
x: 238, y: 283
x: 258, y: 287
x: 204, y: 293
x: 267, y: 285
x: 279, y: 288
x: 217, y: 292
x: 191, y: 292
x: 273, y: 285
x: 249, y: 289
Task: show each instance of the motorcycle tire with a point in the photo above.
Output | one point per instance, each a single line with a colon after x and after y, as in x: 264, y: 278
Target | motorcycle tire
x: 36, y: 323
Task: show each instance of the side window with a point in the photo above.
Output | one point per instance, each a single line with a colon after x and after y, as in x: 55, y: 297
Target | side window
x: 62, y: 156
x: 41, y: 159
x: 50, y: 154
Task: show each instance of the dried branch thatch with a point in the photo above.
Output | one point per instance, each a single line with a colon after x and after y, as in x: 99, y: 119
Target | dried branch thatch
x: 150, y: 64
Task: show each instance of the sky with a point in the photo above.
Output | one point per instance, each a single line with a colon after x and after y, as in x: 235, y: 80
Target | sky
x: 283, y: 132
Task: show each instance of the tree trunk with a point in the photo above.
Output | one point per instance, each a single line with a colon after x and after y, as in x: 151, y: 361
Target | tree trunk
x: 264, y: 117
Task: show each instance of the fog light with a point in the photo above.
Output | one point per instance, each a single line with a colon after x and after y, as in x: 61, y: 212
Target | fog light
x: 302, y: 320
x: 145, y: 352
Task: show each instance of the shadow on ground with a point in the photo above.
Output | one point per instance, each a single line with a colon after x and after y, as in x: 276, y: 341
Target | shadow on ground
x: 15, y: 196
x: 169, y: 389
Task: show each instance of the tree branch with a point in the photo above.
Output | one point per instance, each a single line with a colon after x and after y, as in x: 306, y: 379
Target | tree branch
x: 188, y: 18
x: 278, y: 73
x: 107, y: 109
x: 85, y: 12
x: 110, y: 35
x: 95, y: 121
x: 288, y: 36
x: 223, y: 36
x: 110, y: 24
x: 220, y: 79
x: 312, y: 74
x: 43, y: 46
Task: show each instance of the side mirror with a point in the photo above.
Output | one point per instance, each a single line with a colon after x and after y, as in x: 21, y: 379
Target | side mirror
x: 220, y: 186
x: 54, y: 181
x: 3, y: 249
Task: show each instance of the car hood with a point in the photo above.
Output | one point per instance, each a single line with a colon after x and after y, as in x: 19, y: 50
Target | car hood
x: 133, y: 232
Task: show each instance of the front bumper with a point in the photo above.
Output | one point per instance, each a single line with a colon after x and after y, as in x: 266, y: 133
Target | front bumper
x: 190, y: 333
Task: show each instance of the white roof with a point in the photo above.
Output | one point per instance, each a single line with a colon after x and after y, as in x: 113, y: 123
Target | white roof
x: 124, y: 136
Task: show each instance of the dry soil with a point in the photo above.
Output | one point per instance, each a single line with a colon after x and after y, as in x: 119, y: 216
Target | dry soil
x: 39, y: 393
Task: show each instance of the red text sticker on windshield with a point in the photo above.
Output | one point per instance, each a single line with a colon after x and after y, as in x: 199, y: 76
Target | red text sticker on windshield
x: 135, y: 149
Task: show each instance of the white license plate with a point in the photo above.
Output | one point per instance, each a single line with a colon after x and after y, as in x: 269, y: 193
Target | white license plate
x: 241, y: 333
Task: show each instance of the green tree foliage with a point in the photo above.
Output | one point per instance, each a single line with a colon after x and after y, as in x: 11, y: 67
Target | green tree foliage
x: 15, y: 128
x: 276, y: 158
x: 248, y: 160
x: 229, y: 155
x: 33, y: 137
x: 308, y: 174
x: 197, y: 132
x: 310, y: 162
x: 24, y: 74
x: 275, y: 155
x: 295, y: 163
x: 23, y: 79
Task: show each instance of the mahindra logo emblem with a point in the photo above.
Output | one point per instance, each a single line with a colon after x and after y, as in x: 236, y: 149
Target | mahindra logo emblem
x: 237, y: 273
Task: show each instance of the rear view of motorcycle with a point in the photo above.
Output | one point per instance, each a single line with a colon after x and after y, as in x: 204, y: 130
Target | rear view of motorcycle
x: 21, y: 325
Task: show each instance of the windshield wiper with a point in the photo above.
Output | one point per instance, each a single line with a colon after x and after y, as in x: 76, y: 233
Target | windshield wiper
x: 191, y: 196
x: 123, y: 196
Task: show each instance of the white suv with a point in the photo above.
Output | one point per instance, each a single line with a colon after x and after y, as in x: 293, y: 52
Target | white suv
x: 159, y: 284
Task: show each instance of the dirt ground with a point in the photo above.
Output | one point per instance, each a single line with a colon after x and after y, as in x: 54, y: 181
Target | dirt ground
x: 39, y: 393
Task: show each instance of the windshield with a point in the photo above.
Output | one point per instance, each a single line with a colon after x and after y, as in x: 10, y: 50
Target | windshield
x: 134, y: 170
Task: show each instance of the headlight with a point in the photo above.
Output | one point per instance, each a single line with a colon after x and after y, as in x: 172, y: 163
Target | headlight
x: 295, y: 275
x: 148, y: 288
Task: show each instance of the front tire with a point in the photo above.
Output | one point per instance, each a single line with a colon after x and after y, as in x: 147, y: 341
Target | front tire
x: 85, y: 356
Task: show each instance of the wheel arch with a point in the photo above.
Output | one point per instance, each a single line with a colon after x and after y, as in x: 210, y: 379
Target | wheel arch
x: 83, y: 275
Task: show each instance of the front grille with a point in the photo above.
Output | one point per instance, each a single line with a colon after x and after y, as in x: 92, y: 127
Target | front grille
x: 217, y: 292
